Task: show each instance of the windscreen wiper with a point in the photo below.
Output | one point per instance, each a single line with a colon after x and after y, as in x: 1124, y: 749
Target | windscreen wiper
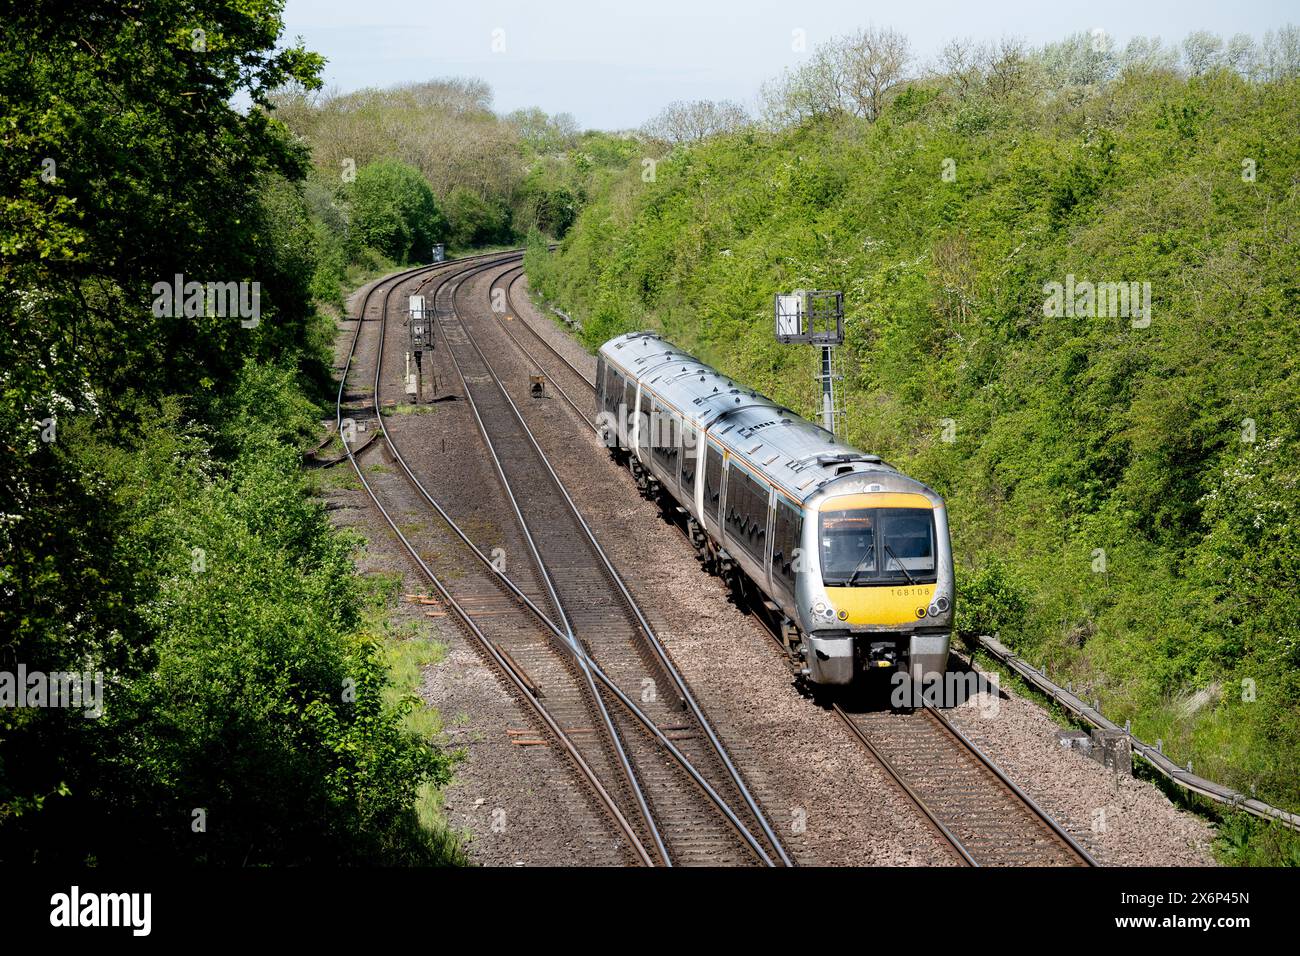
x: 871, y: 553
x: 890, y: 552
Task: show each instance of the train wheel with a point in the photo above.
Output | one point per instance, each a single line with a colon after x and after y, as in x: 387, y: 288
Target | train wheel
x: 738, y: 584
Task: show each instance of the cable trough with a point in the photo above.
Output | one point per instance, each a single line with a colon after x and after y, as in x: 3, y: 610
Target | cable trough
x: 1152, y: 755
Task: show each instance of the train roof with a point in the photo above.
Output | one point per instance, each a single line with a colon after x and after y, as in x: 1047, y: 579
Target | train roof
x: 799, y: 456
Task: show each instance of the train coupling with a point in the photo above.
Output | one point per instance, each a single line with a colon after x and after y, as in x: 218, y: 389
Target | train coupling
x: 881, y: 654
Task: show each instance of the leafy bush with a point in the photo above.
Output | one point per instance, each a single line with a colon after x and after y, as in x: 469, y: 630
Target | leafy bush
x: 258, y: 699
x: 476, y: 221
x: 156, y: 529
x: 988, y: 603
x: 393, y: 211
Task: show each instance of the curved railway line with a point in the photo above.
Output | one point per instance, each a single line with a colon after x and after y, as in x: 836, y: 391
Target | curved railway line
x: 578, y: 380
x: 595, y: 605
x: 555, y: 632
x: 967, y: 800
x: 467, y: 608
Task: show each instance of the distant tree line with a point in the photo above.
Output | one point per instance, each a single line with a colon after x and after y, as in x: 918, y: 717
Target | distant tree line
x: 396, y: 170
x: 857, y: 74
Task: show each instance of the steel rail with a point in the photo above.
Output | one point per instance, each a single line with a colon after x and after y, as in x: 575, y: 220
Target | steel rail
x: 571, y: 639
x: 1061, y: 834
x: 645, y: 626
x: 967, y: 744
x: 652, y: 638
x: 542, y: 617
x: 501, y: 660
x: 572, y: 646
x: 645, y: 720
x: 532, y: 358
x: 648, y: 723
x: 917, y: 800
x: 510, y: 298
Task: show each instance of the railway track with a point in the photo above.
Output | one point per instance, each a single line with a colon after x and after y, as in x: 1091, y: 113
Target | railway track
x: 980, y: 812
x: 970, y: 804
x: 706, y: 812
x: 569, y: 381
x: 514, y: 648
x: 548, y: 662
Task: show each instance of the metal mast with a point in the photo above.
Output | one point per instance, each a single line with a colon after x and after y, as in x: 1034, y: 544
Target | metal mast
x: 816, y: 318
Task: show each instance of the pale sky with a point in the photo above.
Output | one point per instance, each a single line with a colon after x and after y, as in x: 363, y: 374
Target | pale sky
x: 614, y: 65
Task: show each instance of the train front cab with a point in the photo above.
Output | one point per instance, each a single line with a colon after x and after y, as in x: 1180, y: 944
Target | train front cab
x: 878, y: 594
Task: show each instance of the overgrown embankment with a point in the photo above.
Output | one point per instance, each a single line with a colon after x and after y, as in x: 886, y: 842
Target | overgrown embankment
x: 1124, y: 485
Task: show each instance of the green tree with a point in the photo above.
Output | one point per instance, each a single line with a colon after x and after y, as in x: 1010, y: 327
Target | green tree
x: 136, y: 434
x: 476, y: 221
x: 393, y: 211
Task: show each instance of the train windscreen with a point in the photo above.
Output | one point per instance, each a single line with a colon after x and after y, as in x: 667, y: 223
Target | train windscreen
x: 872, y: 546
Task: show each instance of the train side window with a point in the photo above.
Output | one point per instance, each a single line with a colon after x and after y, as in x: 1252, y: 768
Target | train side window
x: 664, y: 429
x: 613, y: 388
x: 712, y: 480
x: 629, y: 401
x: 785, y: 540
x: 674, y: 439
x: 690, y: 451
x: 736, y: 495
x: 601, y: 381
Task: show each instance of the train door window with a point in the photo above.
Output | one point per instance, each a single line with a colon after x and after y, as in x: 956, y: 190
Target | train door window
x: 746, y: 511
x: 712, y: 480
x: 690, y: 451
x: 785, y: 542
x: 613, y: 399
x: 674, y: 439
x: 644, y: 434
x: 601, y: 391
x: 664, y: 429
x: 613, y: 388
x: 629, y: 401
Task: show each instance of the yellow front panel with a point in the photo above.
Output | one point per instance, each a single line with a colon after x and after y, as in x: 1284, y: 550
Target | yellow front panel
x: 883, y: 604
x: 877, y: 499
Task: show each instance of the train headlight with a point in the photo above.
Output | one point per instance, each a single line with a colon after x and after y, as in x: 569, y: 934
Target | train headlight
x: 823, y: 611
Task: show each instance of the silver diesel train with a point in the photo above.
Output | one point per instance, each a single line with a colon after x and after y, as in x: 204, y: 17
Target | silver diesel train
x: 850, y: 556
